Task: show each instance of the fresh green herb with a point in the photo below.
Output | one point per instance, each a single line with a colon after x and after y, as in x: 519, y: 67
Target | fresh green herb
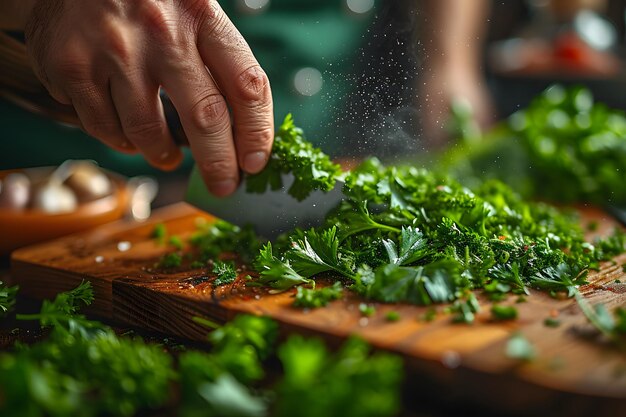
x: 87, y: 373
x: 291, y: 153
x: 7, y: 298
x: 314, y: 298
x: 352, y: 383
x: 225, y: 272
x: 215, y: 238
x: 197, y: 265
x: 564, y: 147
x: 518, y: 347
x: 170, y: 260
x: 465, y: 309
x: 367, y: 310
x: 612, y: 326
x: 159, y: 233
x: 176, y: 242
x: 551, y: 322
x: 407, y: 235
x: 62, y: 312
x: 392, y: 316
x: 429, y: 315
x: 277, y: 273
x: 500, y: 312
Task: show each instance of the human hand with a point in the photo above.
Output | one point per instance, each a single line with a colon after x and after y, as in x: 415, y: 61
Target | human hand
x: 109, y: 59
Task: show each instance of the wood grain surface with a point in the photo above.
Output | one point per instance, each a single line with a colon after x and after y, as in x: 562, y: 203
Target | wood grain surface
x: 574, y: 373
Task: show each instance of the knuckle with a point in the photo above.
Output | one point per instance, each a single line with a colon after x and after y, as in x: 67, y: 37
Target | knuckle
x: 119, y: 40
x: 143, y: 132
x: 220, y: 167
x: 102, y: 129
x: 158, y: 20
x: 205, y: 15
x: 253, y: 85
x: 261, y: 138
x: 210, y: 114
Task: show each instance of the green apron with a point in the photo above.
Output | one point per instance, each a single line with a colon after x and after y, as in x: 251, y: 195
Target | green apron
x: 306, y: 47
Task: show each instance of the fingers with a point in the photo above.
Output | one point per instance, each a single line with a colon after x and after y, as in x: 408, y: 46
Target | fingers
x: 142, y: 120
x: 205, y: 119
x: 97, y: 114
x: 245, y: 85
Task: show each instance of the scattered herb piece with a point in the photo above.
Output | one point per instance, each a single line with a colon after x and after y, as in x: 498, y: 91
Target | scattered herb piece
x: 392, y: 316
x: 551, y: 322
x: 170, y: 260
x: 518, y: 347
x: 7, y: 298
x: 225, y: 272
x: 367, y: 310
x: 317, y: 297
x: 500, y: 312
x: 429, y: 315
x: 464, y: 310
x: 176, y: 242
x: 197, y: 265
x: 212, y: 239
x: 159, y: 233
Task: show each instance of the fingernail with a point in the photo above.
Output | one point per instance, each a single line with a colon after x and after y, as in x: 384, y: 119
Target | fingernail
x: 223, y: 188
x: 164, y: 156
x: 254, y: 162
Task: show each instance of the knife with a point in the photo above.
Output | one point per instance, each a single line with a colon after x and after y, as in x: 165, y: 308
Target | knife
x: 270, y: 213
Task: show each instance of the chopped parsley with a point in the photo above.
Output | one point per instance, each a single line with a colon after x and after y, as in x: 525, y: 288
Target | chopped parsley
x: 83, y: 368
x: 392, y: 316
x: 176, y: 242
x: 367, y: 310
x: 291, y: 153
x: 317, y: 297
x: 225, y: 273
x: 500, y: 312
x: 159, y: 233
x: 7, y: 298
x: 518, y: 347
x: 551, y: 322
x: 170, y: 260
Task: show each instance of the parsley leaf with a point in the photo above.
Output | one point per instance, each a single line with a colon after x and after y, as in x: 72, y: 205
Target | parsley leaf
x: 317, y: 297
x: 7, y: 298
x: 291, y: 153
x: 277, y: 273
x: 225, y: 272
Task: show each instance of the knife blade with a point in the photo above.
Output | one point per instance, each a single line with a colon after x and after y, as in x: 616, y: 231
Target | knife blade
x: 270, y: 213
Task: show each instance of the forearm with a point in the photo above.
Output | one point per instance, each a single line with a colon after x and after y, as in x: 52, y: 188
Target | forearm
x: 14, y: 13
x: 453, y: 31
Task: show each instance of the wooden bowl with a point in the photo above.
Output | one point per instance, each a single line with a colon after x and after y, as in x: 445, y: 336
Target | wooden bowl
x: 22, y: 227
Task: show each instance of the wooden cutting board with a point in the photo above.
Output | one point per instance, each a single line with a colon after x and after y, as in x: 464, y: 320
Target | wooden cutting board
x: 573, y: 373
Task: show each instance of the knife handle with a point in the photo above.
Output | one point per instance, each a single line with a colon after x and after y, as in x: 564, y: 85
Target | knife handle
x: 19, y: 85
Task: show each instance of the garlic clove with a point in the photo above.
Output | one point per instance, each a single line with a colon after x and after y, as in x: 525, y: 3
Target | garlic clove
x: 88, y: 181
x: 54, y: 198
x: 15, y: 190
